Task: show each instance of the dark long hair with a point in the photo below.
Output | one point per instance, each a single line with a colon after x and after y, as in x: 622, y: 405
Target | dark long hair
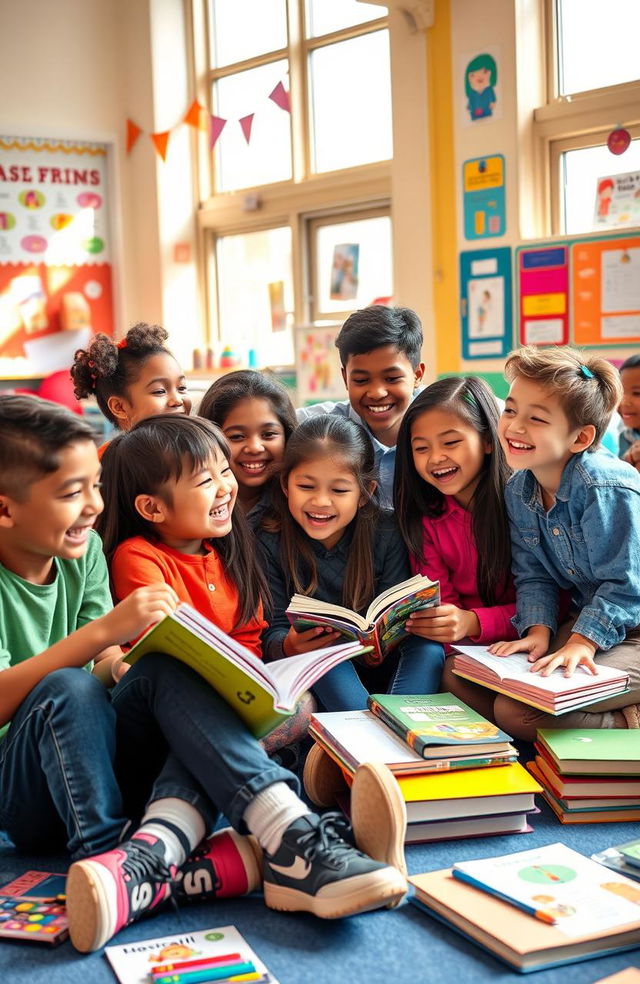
x: 470, y: 399
x: 141, y: 461
x: 319, y: 437
x: 247, y: 384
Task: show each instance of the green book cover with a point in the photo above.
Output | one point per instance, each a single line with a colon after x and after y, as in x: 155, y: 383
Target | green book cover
x: 585, y: 746
x: 437, y: 724
x: 262, y: 695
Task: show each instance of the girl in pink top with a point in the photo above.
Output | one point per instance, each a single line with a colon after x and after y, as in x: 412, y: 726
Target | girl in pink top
x: 449, y: 503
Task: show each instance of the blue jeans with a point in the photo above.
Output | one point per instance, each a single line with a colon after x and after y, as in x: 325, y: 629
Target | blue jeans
x: 415, y: 665
x: 177, y: 737
x: 57, y: 782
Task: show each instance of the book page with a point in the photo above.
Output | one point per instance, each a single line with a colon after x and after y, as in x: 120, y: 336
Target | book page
x: 579, y: 894
x: 518, y: 668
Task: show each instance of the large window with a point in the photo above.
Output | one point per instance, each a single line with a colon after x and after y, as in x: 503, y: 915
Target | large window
x: 593, y: 84
x: 301, y: 93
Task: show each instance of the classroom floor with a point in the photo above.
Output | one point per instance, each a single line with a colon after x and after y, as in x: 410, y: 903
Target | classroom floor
x: 401, y: 946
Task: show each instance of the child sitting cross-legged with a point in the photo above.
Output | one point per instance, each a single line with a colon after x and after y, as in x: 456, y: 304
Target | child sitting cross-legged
x: 182, y: 750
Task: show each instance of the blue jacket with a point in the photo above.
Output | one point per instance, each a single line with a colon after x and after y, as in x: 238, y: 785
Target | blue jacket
x: 588, y: 543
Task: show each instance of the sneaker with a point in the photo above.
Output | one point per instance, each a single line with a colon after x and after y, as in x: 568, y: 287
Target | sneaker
x: 223, y: 866
x: 379, y: 815
x: 316, y: 870
x: 108, y: 891
x: 322, y: 778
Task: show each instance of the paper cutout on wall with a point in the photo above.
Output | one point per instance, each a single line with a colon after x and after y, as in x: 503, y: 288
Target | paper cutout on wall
x: 160, y: 142
x: 196, y: 116
x: 246, y: 123
x: 280, y: 96
x: 133, y: 132
x: 217, y: 126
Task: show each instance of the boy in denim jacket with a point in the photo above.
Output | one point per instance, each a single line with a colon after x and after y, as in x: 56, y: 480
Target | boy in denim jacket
x: 574, y: 511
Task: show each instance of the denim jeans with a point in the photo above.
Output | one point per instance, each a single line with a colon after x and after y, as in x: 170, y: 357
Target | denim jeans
x: 416, y: 668
x: 177, y: 737
x: 57, y: 782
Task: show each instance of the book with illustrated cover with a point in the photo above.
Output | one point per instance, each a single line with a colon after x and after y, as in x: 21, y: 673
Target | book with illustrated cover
x: 38, y: 885
x: 35, y: 920
x: 355, y: 737
x: 556, y: 694
x: 381, y: 627
x: 262, y: 695
x: 439, y: 725
x: 592, y: 751
x: 221, y: 954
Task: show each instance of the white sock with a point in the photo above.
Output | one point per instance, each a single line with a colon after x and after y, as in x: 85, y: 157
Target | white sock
x: 270, y: 812
x: 177, y: 824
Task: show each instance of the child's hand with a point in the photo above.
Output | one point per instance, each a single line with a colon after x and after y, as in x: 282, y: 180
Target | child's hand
x: 577, y: 651
x: 535, y: 643
x: 632, y: 455
x: 144, y: 607
x: 305, y: 642
x: 444, y: 623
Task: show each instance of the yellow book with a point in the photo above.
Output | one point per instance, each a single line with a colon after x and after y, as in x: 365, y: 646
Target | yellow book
x: 262, y: 695
x: 472, y: 792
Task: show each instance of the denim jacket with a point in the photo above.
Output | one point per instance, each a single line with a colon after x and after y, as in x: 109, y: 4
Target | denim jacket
x: 588, y: 543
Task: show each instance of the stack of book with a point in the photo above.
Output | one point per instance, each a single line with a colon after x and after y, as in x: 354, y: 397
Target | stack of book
x: 535, y: 909
x: 444, y: 756
x: 555, y: 694
x: 589, y: 776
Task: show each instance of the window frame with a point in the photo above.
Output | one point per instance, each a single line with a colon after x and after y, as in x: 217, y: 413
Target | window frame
x: 295, y: 201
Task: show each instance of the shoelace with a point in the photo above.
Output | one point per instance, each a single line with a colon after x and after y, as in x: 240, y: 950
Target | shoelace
x: 327, y: 836
x: 142, y: 863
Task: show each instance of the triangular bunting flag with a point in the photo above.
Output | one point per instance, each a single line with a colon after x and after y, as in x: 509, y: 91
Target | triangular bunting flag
x: 280, y: 97
x: 246, y: 123
x: 133, y: 132
x: 160, y: 141
x: 194, y: 114
x: 217, y: 126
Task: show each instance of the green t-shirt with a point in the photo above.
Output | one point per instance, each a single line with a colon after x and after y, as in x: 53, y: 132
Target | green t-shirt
x: 35, y: 616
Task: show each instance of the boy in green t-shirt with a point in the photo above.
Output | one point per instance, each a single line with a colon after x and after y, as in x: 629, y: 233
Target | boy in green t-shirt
x: 57, y: 725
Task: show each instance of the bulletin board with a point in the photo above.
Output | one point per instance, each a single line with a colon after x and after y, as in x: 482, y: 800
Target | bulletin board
x: 56, y: 284
x: 318, y: 370
x: 585, y: 290
x: 486, y: 303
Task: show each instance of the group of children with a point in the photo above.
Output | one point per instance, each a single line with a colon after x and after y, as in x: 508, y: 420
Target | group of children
x: 531, y: 529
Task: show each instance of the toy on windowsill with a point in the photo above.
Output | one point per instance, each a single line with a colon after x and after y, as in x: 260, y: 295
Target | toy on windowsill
x: 229, y: 359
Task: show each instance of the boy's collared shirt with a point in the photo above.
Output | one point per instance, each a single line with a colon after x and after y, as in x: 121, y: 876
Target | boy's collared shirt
x: 36, y: 616
x: 588, y: 543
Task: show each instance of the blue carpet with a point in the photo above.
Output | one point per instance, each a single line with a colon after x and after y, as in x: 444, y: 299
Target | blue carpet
x: 402, y: 946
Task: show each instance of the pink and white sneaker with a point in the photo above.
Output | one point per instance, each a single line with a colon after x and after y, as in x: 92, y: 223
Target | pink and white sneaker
x: 223, y: 866
x: 108, y: 891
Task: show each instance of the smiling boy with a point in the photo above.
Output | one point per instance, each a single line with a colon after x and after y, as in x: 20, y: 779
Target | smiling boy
x: 57, y: 726
x: 379, y: 350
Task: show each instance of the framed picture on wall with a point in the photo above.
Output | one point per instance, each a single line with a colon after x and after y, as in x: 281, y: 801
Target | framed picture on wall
x: 56, y: 251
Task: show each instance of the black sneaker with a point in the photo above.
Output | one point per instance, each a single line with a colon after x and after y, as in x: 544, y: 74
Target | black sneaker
x: 316, y: 870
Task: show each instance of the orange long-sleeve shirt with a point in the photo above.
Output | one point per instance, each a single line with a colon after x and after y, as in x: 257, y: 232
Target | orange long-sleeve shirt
x: 199, y: 580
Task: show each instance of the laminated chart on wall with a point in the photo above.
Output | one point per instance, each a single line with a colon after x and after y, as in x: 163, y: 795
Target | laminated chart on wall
x: 606, y: 291
x: 486, y: 303
x: 543, y: 294
x: 483, y: 197
x: 55, y: 251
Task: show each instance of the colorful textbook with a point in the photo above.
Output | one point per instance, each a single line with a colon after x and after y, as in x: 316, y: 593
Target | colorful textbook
x: 439, y: 725
x: 263, y: 696
x: 555, y: 694
x: 381, y: 627
x: 588, y: 751
x: 211, y: 955
x: 32, y: 908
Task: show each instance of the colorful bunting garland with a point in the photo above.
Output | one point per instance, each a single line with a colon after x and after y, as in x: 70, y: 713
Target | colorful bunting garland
x: 197, y: 116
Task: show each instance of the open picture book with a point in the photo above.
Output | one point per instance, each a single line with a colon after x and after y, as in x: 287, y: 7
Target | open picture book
x: 383, y: 624
x: 512, y: 675
x: 262, y: 695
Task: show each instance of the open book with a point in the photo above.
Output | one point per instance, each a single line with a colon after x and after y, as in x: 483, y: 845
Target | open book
x: 555, y: 693
x: 382, y: 625
x: 262, y: 695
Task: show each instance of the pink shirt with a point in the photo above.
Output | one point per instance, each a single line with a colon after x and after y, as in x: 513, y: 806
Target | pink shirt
x: 450, y: 556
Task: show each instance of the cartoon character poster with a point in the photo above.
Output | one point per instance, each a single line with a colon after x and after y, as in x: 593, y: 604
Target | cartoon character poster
x: 480, y: 78
x: 55, y: 248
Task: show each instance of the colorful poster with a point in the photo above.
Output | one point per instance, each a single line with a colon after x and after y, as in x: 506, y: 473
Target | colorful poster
x: 606, y: 291
x: 543, y: 279
x: 479, y: 74
x: 318, y: 370
x: 486, y: 303
x: 55, y: 247
x: 484, y: 201
x: 344, y: 272
x: 617, y: 201
x: 277, y: 306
